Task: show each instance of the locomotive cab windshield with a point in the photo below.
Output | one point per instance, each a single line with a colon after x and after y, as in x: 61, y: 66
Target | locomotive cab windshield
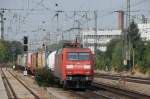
x: 78, y: 56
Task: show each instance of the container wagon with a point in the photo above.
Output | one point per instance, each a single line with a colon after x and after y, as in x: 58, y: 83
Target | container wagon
x: 28, y: 62
x: 51, y: 60
x: 38, y: 60
x: 33, y: 62
x: 41, y: 59
x: 21, y: 61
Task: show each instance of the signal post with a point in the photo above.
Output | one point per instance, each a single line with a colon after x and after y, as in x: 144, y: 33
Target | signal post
x: 25, y: 49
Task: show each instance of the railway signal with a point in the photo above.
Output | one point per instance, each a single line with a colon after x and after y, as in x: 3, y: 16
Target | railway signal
x: 25, y: 47
x: 25, y: 43
x: 25, y: 40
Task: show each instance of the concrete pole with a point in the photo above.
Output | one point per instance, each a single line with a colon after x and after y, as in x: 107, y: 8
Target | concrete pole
x: 95, y: 39
x: 133, y: 61
x: 2, y: 25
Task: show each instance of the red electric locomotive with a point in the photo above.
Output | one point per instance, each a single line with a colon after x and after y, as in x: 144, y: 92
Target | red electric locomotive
x: 74, y: 67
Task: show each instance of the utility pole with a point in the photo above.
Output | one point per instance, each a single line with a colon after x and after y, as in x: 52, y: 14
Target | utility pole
x: 58, y: 27
x: 127, y: 48
x: 28, y: 4
x: 2, y: 25
x: 78, y: 36
x: 129, y: 39
x: 95, y: 29
x: 78, y: 30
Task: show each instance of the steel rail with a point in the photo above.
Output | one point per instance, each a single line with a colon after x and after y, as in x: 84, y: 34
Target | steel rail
x: 121, y: 91
x: 35, y: 95
x: 127, y: 78
x: 91, y: 95
x: 9, y: 85
x: 93, y: 88
x: 141, y: 78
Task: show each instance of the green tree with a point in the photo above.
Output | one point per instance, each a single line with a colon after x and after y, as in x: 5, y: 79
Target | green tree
x: 134, y: 41
x: 9, y: 49
x: 117, y: 56
x: 140, y: 48
x: 144, y: 60
x: 101, y: 61
x: 110, y: 46
x: 134, y: 35
x: 14, y: 48
x: 3, y: 51
x: 112, y: 58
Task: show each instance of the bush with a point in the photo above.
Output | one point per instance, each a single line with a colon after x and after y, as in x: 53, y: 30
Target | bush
x: 44, y: 77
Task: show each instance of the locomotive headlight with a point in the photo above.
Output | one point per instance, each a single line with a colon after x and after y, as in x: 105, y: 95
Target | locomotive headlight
x: 87, y: 66
x: 69, y: 66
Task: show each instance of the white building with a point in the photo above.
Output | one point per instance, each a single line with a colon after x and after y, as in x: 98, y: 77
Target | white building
x: 144, y: 30
x: 102, y: 38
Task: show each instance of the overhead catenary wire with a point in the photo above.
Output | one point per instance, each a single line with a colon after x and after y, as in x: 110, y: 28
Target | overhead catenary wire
x: 29, y: 10
x: 139, y: 3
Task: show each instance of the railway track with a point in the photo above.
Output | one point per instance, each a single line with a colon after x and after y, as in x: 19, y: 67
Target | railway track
x: 95, y: 92
x: 127, y: 78
x: 35, y: 96
x: 12, y: 89
x: 90, y: 94
x: 121, y: 91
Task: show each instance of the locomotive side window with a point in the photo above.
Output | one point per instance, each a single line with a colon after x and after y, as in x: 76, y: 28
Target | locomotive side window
x: 78, y: 56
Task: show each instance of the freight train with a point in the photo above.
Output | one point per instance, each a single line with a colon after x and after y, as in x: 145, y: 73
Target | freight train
x: 72, y: 67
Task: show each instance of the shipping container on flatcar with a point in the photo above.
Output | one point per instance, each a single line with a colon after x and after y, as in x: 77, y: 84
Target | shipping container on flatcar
x: 28, y: 65
x: 33, y: 62
x: 41, y: 59
x: 21, y: 60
